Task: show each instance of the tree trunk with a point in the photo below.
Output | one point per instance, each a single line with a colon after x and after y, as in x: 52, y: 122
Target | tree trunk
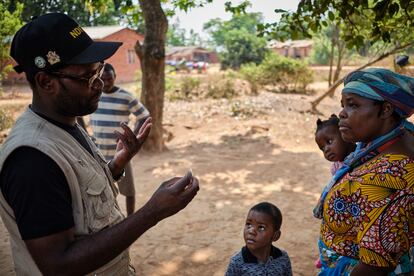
x: 152, y: 56
x: 337, y: 70
x: 341, y: 53
x: 332, y: 89
x: 335, y: 43
x: 331, y: 59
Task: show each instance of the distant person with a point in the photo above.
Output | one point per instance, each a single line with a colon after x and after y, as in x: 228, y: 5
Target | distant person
x: 201, y: 67
x: 182, y: 64
x: 402, y: 60
x: 259, y: 256
x: 114, y: 108
x: 402, y: 63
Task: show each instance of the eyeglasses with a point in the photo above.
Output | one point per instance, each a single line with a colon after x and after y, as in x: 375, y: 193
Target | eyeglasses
x: 94, y: 81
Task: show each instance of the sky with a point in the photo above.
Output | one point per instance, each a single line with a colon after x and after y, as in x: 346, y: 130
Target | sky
x: 195, y: 18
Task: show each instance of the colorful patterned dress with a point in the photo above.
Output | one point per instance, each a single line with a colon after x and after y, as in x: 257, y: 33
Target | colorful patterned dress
x: 369, y: 215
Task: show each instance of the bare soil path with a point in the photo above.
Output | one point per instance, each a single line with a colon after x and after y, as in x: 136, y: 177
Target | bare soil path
x: 267, y: 153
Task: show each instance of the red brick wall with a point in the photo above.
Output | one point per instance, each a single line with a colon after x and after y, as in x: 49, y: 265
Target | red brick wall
x: 126, y: 67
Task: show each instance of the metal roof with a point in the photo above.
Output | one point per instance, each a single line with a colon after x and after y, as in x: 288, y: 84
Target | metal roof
x: 99, y: 32
x: 184, y: 50
x: 290, y: 44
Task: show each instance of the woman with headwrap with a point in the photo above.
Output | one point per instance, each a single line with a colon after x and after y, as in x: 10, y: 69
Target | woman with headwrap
x: 367, y: 209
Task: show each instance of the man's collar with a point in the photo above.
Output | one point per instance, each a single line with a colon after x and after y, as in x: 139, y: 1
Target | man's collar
x: 248, y: 256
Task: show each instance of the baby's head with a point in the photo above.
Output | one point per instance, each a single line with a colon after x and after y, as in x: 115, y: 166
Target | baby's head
x: 262, y: 226
x: 329, y: 139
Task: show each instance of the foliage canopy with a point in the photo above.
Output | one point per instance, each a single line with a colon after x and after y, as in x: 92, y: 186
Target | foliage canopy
x: 9, y: 24
x: 389, y: 21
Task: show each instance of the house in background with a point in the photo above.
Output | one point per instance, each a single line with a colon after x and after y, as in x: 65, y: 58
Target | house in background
x: 191, y: 53
x: 292, y: 48
x: 125, y: 60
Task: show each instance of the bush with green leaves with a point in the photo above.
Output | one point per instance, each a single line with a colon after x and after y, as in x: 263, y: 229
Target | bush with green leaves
x: 252, y: 74
x: 184, y: 88
x: 6, y: 120
x: 222, y: 88
x: 284, y: 74
x: 216, y: 86
x: 9, y: 24
x: 189, y: 85
x: 242, y: 47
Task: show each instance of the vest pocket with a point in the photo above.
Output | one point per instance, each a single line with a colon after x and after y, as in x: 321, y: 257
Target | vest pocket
x: 99, y: 202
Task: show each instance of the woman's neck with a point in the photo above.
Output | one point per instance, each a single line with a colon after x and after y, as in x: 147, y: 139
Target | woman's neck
x: 404, y: 146
x: 386, y: 128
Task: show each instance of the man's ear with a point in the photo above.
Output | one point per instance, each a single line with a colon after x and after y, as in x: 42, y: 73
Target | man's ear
x: 45, y: 82
x: 276, y: 235
x: 387, y: 110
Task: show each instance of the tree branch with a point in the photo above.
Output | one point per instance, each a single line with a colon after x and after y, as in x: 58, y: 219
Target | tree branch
x: 331, y: 89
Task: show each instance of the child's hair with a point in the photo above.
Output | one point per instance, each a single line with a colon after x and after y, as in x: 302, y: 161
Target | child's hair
x: 332, y: 121
x: 271, y: 210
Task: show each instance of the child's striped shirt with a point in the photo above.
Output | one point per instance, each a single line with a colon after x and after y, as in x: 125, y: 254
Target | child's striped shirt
x: 113, y: 109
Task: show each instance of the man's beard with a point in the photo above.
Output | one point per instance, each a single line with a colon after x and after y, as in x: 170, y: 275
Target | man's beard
x: 73, y: 105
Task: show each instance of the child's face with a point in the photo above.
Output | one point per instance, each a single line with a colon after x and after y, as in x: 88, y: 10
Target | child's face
x: 259, y: 232
x: 332, y: 145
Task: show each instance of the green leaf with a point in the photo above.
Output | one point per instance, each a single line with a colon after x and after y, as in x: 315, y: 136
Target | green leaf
x: 393, y: 9
x: 331, y: 16
x: 386, y: 37
x: 404, y: 3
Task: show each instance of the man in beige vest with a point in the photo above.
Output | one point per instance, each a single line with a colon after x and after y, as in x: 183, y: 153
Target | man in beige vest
x: 57, y: 193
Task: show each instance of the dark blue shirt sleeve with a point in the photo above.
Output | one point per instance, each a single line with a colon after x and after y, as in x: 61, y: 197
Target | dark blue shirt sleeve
x: 37, y: 190
x: 232, y: 268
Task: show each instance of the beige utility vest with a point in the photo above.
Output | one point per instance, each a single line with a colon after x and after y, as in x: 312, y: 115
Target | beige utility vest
x: 90, y: 182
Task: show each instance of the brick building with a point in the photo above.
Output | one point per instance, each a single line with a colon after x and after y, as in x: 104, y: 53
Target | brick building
x: 292, y: 48
x: 191, y: 53
x: 125, y: 60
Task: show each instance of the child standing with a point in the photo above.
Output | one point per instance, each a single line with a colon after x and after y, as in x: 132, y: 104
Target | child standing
x: 329, y: 140
x: 259, y: 256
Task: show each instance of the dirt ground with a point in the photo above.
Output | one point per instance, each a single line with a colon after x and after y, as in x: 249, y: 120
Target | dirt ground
x: 267, y: 153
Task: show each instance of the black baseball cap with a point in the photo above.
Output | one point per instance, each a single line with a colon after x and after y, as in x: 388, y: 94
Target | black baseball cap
x: 54, y: 40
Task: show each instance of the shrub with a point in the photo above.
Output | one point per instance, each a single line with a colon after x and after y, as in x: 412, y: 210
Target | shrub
x: 220, y: 86
x: 171, y: 89
x: 182, y: 89
x: 216, y: 86
x: 6, y: 120
x: 284, y: 74
x: 251, y: 73
x: 189, y: 85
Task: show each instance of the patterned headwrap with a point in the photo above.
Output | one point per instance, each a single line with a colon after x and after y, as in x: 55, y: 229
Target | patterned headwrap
x: 383, y: 85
